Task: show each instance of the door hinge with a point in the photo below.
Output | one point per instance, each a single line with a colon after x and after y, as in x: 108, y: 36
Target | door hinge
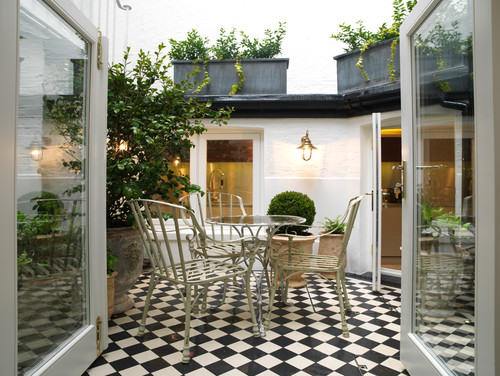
x: 372, y: 249
x: 98, y: 325
x: 99, y: 50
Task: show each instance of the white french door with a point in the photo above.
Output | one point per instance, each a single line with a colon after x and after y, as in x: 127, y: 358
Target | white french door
x: 439, y: 274
x: 53, y: 136
x: 376, y: 201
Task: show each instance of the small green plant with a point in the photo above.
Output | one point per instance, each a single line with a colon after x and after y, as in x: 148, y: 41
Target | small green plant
x: 111, y: 260
x: 269, y: 47
x: 226, y: 46
x: 293, y: 203
x: 334, y: 226
x: 195, y: 47
x: 359, y: 38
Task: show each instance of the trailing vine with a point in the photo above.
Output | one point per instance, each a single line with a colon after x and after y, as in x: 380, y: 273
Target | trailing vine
x: 239, y: 71
x: 390, y: 62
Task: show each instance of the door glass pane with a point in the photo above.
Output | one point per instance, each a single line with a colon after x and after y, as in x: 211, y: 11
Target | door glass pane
x: 444, y: 170
x: 51, y: 184
x: 230, y: 170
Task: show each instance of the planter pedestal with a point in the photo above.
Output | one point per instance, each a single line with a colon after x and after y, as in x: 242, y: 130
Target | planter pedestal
x: 111, y: 293
x: 300, y: 244
x: 126, y: 244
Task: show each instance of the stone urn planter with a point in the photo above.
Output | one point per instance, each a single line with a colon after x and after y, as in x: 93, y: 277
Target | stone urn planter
x: 301, y: 244
x: 262, y: 76
x: 331, y: 244
x: 126, y: 244
x: 111, y: 293
x: 375, y: 62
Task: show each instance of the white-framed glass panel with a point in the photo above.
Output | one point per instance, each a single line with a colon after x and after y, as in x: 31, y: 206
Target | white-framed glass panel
x: 54, y: 115
x: 230, y: 162
x: 438, y: 329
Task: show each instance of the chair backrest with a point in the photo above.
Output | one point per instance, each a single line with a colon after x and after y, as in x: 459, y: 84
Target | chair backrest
x: 151, y: 222
x: 350, y: 217
x: 218, y: 204
x: 224, y: 204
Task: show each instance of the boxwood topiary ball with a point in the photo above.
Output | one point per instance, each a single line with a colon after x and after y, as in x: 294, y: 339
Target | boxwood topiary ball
x: 293, y: 203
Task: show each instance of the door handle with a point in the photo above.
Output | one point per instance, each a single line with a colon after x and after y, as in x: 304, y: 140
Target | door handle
x: 399, y: 188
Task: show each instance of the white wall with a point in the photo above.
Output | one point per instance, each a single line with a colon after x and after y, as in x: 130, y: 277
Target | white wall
x: 307, y: 43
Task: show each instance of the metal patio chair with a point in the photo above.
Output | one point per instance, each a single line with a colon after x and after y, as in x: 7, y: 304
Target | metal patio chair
x: 191, y: 276
x: 289, y: 261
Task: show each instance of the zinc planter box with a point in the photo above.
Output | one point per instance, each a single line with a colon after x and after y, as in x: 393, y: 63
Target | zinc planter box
x: 262, y: 76
x: 375, y: 62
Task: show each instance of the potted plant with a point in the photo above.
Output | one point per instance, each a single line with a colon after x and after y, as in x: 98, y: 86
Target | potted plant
x: 150, y: 123
x: 112, y: 261
x: 330, y: 241
x: 297, y: 204
x: 370, y: 58
x: 230, y: 66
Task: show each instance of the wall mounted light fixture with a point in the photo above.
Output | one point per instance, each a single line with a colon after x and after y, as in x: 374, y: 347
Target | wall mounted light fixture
x: 307, y: 147
x: 177, y: 161
x: 36, y: 150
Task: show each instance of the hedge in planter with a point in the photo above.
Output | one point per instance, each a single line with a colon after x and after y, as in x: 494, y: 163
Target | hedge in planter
x: 246, y: 66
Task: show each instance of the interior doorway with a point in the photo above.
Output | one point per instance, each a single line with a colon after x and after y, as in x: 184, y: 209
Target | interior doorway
x: 391, y: 200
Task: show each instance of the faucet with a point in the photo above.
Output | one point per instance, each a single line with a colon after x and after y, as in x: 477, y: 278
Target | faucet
x: 212, y: 182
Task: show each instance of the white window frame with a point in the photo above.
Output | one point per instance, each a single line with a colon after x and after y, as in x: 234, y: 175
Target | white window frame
x: 198, y: 158
x: 487, y: 185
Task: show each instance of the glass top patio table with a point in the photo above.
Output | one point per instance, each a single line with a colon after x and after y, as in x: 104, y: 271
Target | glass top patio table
x: 257, y: 220
x: 271, y: 223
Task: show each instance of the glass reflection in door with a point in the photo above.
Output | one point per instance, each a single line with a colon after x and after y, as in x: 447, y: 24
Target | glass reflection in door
x: 445, y: 249
x: 51, y: 184
x: 230, y: 170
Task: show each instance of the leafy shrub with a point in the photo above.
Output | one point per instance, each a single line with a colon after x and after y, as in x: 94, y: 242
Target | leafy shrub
x: 226, y: 46
x: 193, y: 48
x: 293, y: 203
x: 154, y: 120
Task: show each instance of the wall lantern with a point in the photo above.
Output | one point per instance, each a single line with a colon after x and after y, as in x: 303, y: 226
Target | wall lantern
x: 307, y: 147
x: 36, y: 150
x: 177, y: 161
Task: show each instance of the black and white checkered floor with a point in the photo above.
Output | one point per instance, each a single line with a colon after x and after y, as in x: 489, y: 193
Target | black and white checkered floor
x: 299, y: 342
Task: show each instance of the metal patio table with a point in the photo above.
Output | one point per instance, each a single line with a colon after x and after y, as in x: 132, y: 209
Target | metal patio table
x: 254, y: 225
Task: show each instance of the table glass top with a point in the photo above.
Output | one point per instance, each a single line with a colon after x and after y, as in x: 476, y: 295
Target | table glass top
x: 257, y: 220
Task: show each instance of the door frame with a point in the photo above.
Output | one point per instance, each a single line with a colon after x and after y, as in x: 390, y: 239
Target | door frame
x: 79, y: 353
x: 198, y: 158
x: 487, y: 210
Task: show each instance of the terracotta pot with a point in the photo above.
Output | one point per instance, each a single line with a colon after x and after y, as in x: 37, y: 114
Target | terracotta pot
x: 126, y: 244
x: 331, y: 244
x: 300, y: 244
x: 111, y: 293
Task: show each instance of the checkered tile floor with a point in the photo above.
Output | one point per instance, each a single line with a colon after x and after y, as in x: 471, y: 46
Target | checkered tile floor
x: 304, y: 339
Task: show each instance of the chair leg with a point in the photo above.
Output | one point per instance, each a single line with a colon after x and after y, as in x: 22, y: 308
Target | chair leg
x: 187, y: 309
x: 345, y: 330
x: 344, y: 287
x: 152, y: 284
x: 255, y: 326
x: 272, y: 294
